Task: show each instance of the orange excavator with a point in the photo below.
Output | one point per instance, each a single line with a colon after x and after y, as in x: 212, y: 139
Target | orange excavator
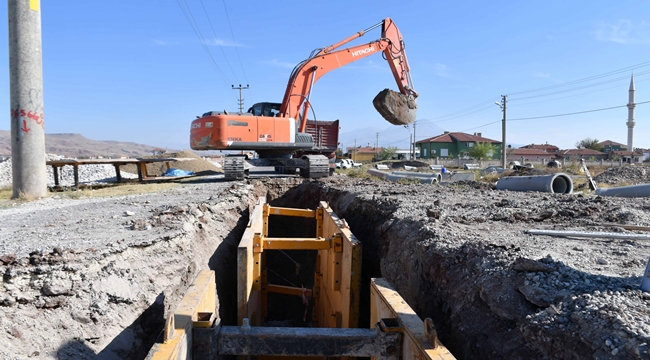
x: 281, y: 133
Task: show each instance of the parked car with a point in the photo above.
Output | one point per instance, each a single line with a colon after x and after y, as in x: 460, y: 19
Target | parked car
x: 346, y: 164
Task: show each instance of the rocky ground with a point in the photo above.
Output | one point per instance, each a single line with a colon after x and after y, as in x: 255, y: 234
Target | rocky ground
x: 91, y: 278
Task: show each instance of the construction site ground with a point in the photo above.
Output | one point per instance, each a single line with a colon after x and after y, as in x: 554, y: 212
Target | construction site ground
x: 94, y: 277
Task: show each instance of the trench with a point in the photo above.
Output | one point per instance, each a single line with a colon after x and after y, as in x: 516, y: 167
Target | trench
x: 436, y: 284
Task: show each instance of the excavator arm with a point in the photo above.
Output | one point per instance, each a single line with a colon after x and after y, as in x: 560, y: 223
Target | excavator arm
x: 295, y: 103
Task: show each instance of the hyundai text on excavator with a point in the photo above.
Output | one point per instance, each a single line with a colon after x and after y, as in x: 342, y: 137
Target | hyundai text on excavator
x: 281, y: 133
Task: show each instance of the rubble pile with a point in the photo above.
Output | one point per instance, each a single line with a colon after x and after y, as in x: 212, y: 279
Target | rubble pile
x: 625, y: 175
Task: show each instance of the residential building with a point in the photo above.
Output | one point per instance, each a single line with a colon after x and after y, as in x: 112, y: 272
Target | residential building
x: 453, y: 144
x: 363, y: 153
x: 587, y: 154
x: 611, y: 146
x: 629, y: 157
x: 530, y: 154
x: 551, y: 149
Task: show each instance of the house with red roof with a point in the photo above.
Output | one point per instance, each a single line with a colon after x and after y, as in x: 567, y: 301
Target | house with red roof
x: 587, y: 154
x: 531, y: 154
x: 551, y: 149
x: 612, y: 146
x: 453, y: 144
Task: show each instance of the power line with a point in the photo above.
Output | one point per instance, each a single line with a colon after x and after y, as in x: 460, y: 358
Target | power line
x: 198, y: 34
x: 216, y: 40
x: 234, y: 42
x: 575, y: 113
x: 628, y: 68
x: 582, y: 87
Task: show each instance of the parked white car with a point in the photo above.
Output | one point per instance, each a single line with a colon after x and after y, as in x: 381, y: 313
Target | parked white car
x: 346, y: 164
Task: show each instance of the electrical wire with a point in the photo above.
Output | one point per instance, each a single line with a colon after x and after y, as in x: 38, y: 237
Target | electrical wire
x: 575, y: 113
x: 628, y: 68
x: 198, y: 34
x: 232, y: 34
x: 579, y: 88
x: 215, y: 39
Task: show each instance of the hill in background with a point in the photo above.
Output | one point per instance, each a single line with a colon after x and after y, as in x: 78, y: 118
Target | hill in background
x: 76, y: 145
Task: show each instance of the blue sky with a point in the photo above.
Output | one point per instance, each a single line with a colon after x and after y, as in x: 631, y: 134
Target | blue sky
x: 136, y: 70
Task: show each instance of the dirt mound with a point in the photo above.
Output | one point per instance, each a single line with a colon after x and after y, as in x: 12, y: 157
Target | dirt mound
x: 197, y: 164
x: 626, y: 175
x: 476, y: 184
x: 396, y: 108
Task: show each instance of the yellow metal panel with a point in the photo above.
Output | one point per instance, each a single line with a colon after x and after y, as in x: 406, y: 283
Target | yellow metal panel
x: 245, y: 266
x: 296, y: 244
x: 385, y: 302
x: 200, y: 298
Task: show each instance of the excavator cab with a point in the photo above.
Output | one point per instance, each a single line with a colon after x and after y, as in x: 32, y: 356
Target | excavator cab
x: 265, y: 109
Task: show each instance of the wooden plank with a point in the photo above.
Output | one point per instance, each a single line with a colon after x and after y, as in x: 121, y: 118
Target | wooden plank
x: 289, y: 290
x: 245, y: 266
x: 385, y: 302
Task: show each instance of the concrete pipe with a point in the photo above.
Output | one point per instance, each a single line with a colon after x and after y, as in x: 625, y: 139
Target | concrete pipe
x: 395, y: 178
x: 557, y: 183
x: 626, y: 191
x: 420, y: 175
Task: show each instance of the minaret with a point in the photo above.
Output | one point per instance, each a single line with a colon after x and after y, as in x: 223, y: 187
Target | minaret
x: 630, y: 117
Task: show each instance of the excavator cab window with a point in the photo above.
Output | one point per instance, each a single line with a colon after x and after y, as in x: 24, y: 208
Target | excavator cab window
x: 265, y: 109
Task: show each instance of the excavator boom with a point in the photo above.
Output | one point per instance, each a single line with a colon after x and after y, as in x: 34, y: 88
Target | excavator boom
x: 396, y: 108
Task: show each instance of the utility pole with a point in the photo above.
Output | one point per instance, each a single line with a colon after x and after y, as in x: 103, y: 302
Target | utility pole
x: 504, y: 147
x: 415, y: 123
x: 411, y: 143
x: 354, y: 154
x: 241, y: 100
x: 376, y: 145
x: 26, y: 99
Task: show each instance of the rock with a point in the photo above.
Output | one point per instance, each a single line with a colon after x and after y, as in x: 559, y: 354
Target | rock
x: 56, y: 287
x: 129, y: 213
x: 433, y: 213
x: 81, y: 316
x: 8, y: 259
x: 529, y: 265
x: 601, y: 261
x: 536, y: 295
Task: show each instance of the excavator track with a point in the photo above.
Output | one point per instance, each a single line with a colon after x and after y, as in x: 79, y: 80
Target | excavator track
x: 233, y: 167
x: 317, y: 166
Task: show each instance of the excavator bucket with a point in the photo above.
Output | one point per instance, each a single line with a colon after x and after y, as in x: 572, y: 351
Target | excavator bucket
x: 396, y: 108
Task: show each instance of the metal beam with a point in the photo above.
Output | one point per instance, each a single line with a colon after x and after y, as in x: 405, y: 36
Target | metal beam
x: 296, y: 244
x: 288, y: 290
x: 272, y: 210
x: 286, y: 341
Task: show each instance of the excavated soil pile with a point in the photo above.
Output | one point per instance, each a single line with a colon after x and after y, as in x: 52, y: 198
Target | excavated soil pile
x: 395, y: 107
x: 625, y: 175
x: 197, y: 165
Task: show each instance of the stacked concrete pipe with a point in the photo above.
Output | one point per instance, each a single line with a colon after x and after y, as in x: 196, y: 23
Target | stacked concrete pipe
x: 556, y: 183
x: 394, y: 177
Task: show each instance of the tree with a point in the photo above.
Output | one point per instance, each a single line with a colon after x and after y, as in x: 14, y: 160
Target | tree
x: 589, y: 143
x: 388, y: 153
x: 482, y: 151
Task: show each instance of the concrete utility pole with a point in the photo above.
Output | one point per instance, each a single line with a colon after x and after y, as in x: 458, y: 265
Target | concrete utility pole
x: 630, y: 117
x: 241, y: 100
x: 26, y: 89
x: 415, y: 123
x: 376, y: 145
x: 504, y: 147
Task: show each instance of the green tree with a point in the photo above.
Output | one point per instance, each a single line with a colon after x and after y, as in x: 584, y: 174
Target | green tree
x: 388, y: 153
x: 589, y: 143
x: 482, y: 151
